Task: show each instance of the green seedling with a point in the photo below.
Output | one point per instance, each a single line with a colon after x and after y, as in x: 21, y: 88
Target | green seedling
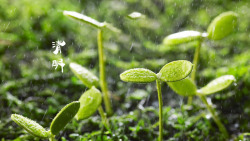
x: 90, y: 100
x: 187, y: 87
x: 220, y: 27
x: 173, y: 71
x: 59, y: 122
x: 100, y: 26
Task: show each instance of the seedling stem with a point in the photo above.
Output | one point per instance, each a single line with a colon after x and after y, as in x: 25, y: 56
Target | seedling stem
x: 103, y: 83
x: 215, y: 117
x: 104, y: 118
x: 52, y: 138
x: 195, y: 63
x: 158, y: 85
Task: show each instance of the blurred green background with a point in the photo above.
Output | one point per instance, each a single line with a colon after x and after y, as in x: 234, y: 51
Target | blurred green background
x: 31, y: 87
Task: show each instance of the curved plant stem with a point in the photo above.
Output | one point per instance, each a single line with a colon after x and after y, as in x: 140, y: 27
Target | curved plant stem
x: 215, y: 117
x: 103, y: 82
x: 52, y: 138
x: 195, y: 62
x: 104, y: 118
x: 158, y: 83
x: 190, y: 99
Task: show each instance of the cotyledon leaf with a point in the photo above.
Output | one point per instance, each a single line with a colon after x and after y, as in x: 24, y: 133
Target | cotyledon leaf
x: 182, y: 37
x: 87, y: 77
x: 89, y: 103
x: 222, y: 25
x: 185, y: 87
x: 175, y: 71
x: 138, y: 75
x: 30, y: 126
x: 64, y: 117
x: 83, y: 18
x: 90, y: 21
x: 217, y: 85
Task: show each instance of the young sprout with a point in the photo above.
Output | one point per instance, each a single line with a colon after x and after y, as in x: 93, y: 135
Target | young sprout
x: 173, y: 71
x: 59, y: 122
x: 102, y: 71
x: 220, y: 27
x: 91, y: 99
x: 187, y: 87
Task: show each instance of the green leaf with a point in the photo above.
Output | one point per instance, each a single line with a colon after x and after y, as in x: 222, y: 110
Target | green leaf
x: 175, y: 71
x: 182, y: 37
x: 90, y: 101
x: 90, y: 21
x: 87, y: 78
x: 217, y: 85
x: 83, y: 18
x: 185, y: 87
x: 30, y: 126
x: 222, y: 25
x: 139, y: 75
x: 64, y: 117
x: 135, y: 15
